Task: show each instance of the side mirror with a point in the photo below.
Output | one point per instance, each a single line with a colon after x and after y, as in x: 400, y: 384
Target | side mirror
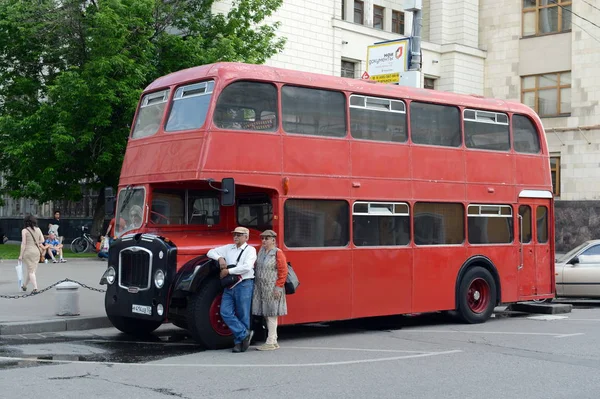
x: 228, y: 191
x: 573, y: 261
x: 109, y: 201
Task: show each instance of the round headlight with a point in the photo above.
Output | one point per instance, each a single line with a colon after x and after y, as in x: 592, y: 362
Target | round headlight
x: 159, y: 278
x: 160, y: 309
x: 110, y: 275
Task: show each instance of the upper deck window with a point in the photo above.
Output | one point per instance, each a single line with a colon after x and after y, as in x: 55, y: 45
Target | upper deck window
x: 247, y: 106
x: 190, y: 105
x: 150, y: 114
x: 313, y: 111
x: 525, y: 135
x: 486, y: 130
x: 435, y: 124
x: 381, y: 119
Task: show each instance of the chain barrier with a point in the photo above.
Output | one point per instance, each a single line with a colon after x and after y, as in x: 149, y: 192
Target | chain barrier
x: 50, y: 287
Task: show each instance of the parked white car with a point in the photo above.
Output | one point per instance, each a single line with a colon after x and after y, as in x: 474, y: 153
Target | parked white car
x: 578, y: 271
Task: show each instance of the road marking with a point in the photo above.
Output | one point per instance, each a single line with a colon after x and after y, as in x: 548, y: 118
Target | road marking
x: 165, y: 343
x: 568, y: 335
x: 583, y: 319
x: 321, y: 348
x: 555, y: 335
x: 548, y: 317
x: 243, y: 365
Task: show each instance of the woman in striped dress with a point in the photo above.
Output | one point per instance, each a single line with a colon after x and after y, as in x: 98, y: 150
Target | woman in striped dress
x: 269, y: 293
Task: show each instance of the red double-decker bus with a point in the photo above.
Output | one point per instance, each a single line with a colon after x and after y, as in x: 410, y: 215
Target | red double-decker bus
x: 386, y: 199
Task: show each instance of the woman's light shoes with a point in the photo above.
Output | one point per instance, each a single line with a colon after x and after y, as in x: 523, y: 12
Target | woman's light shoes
x: 268, y: 347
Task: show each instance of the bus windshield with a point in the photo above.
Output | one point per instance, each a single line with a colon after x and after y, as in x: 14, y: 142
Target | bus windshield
x: 130, y: 209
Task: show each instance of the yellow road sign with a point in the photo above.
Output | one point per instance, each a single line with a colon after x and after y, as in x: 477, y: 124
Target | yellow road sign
x: 386, y: 77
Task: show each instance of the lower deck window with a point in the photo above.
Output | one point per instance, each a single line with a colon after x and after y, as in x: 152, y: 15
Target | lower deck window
x: 439, y: 223
x: 376, y: 224
x: 316, y: 223
x: 490, y: 224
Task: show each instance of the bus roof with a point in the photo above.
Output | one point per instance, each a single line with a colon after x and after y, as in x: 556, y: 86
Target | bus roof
x: 229, y: 71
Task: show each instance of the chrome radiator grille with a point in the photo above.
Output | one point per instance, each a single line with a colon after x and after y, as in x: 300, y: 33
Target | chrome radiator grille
x: 135, y: 268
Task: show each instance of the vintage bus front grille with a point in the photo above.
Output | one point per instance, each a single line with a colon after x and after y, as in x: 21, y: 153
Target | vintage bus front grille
x: 135, y: 268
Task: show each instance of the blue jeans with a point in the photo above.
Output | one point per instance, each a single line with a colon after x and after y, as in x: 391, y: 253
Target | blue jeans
x: 235, y: 309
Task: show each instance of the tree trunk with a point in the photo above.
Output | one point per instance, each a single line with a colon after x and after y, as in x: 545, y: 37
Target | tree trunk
x: 98, y: 222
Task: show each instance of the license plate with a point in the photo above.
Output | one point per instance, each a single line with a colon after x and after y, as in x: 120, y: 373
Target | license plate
x: 141, y: 309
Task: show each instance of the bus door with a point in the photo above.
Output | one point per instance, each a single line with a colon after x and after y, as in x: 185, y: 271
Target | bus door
x: 535, y: 264
x: 544, y: 259
x: 526, y: 266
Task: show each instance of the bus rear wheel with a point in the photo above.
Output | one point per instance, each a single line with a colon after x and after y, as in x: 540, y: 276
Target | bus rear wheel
x: 476, y: 296
x: 204, y: 317
x: 135, y: 327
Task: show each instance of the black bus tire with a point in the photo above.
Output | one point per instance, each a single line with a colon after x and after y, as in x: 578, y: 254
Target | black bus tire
x: 205, y: 325
x: 476, y: 295
x: 134, y: 327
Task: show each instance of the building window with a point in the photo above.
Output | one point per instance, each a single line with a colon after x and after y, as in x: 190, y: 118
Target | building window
x: 549, y: 94
x: 348, y: 69
x: 344, y: 9
x: 546, y: 16
x: 555, y: 170
x: 378, y: 17
x: 429, y: 83
x: 398, y: 22
x: 359, y: 8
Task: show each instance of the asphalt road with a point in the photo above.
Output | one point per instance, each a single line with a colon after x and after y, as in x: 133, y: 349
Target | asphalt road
x: 417, y: 357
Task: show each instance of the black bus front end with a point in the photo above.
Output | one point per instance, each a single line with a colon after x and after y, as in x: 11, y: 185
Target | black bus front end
x: 140, y: 272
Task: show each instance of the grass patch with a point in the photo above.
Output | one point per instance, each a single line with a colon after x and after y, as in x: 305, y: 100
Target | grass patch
x: 11, y: 251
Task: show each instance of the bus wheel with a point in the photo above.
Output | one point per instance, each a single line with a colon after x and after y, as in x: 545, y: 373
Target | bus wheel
x: 476, y: 295
x: 135, y: 327
x: 204, y: 317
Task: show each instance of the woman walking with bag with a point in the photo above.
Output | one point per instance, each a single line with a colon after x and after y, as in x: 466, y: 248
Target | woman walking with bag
x: 269, y: 292
x: 31, y: 239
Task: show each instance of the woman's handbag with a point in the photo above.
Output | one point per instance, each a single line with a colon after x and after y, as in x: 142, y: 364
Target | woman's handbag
x: 19, y: 268
x: 291, y: 282
x: 38, y: 246
x: 231, y: 280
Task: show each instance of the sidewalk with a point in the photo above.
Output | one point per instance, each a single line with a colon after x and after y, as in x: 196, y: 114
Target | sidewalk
x: 37, y: 314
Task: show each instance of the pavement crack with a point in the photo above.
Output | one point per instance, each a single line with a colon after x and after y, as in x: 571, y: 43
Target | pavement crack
x: 72, y: 377
x: 162, y: 391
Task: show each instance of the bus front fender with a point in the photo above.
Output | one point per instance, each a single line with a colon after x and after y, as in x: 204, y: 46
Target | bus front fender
x: 194, y: 272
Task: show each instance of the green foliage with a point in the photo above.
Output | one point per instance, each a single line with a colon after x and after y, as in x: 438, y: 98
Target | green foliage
x: 71, y: 73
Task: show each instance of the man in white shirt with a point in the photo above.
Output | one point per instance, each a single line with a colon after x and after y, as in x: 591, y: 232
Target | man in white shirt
x: 237, y: 301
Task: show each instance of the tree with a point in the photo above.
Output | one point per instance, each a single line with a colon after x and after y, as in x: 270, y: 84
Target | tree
x: 72, y: 71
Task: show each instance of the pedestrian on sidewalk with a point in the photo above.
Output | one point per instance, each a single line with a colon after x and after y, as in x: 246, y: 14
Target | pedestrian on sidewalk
x: 31, y: 241
x: 269, y: 293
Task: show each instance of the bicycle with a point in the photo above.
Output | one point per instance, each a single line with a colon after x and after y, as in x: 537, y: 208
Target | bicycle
x: 83, y: 243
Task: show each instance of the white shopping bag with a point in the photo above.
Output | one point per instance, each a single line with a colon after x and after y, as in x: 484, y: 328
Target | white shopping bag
x: 105, y: 244
x: 19, y: 268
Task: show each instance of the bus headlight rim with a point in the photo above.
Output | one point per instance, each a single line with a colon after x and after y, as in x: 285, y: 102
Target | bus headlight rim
x: 159, y: 278
x: 111, y: 275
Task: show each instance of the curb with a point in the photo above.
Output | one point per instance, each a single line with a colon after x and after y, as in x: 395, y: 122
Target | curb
x: 543, y: 308
x: 75, y: 323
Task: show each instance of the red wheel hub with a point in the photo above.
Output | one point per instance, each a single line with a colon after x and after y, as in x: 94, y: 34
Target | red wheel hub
x: 216, y: 321
x: 478, y: 295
